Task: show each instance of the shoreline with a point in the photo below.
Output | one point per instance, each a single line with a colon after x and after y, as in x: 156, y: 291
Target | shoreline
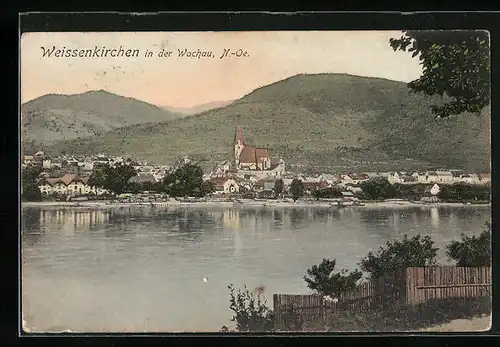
x: 249, y: 203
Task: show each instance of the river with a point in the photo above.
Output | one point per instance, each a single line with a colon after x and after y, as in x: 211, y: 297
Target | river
x: 142, y: 269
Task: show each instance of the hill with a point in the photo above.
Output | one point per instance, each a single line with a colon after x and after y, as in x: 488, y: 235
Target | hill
x: 55, y: 117
x: 322, y: 120
x: 189, y: 111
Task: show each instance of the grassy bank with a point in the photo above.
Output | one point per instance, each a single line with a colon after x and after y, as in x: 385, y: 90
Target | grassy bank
x: 397, y: 317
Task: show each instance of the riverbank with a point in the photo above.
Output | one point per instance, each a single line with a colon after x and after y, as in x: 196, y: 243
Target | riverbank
x: 238, y: 203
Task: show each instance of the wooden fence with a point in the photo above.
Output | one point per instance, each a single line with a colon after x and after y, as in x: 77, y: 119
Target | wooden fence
x: 291, y: 310
x: 410, y: 287
x: 443, y: 282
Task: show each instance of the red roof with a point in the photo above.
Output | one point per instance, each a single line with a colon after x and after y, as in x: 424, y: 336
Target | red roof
x: 253, y: 155
x: 250, y: 154
x: 67, y: 179
x: 261, y: 153
x: 239, y: 136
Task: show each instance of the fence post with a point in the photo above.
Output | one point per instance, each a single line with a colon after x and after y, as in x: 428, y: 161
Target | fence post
x: 276, y: 316
x: 322, y: 312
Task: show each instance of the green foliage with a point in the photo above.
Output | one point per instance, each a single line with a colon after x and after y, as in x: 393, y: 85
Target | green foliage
x: 296, y: 189
x: 323, y: 280
x: 251, y: 312
x: 187, y: 180
x: 472, y: 251
x: 410, y: 191
x: 378, y: 188
x: 52, y: 117
x: 279, y: 187
x: 114, y: 179
x: 29, y: 183
x: 398, y: 255
x: 327, y: 193
x: 398, y: 316
x: 455, y: 64
x: 307, y: 145
x: 463, y: 191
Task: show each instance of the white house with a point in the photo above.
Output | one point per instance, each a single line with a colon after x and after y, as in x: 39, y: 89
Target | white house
x: 346, y: 179
x: 358, y: 178
x: 435, y: 189
x: 225, y: 186
x: 69, y: 184
x: 484, y: 178
x: 46, y: 163
x: 224, y: 166
x: 394, y: 177
x: 445, y: 177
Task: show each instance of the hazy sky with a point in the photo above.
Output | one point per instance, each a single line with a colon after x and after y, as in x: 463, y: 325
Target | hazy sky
x: 185, y: 82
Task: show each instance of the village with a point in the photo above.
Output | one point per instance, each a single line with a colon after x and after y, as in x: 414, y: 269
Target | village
x: 252, y: 173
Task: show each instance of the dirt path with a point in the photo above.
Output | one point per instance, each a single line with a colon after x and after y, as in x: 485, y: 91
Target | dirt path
x: 474, y: 324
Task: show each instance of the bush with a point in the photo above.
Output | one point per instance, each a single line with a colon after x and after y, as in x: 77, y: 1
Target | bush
x: 472, y: 251
x: 399, y: 255
x: 323, y: 280
x: 401, y: 317
x: 296, y: 189
x: 327, y: 193
x: 464, y: 191
x: 250, y: 311
x: 378, y: 188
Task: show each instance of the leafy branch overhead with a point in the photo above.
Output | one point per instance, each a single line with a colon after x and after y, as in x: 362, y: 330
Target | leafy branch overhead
x: 455, y: 64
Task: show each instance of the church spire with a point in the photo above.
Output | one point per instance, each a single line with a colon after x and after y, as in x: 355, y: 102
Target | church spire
x: 239, y: 136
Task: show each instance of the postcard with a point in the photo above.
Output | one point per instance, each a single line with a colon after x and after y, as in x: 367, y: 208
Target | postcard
x: 255, y: 181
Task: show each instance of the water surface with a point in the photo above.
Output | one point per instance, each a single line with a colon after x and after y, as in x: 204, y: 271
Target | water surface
x: 142, y: 269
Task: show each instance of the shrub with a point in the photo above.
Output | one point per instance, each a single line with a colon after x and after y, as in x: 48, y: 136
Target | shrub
x: 297, y: 189
x: 251, y: 312
x: 472, y: 251
x: 378, y: 188
x: 323, y: 280
x: 399, y: 255
x: 401, y: 317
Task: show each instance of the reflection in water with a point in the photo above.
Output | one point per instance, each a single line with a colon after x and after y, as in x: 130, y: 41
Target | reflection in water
x: 142, y: 268
x: 31, y: 227
x: 435, y: 217
x: 231, y: 219
x: 298, y: 216
x: 69, y: 221
x: 395, y: 220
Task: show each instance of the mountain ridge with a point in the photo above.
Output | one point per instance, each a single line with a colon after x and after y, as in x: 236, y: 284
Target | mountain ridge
x: 188, y: 111
x: 54, y: 117
x: 329, y: 120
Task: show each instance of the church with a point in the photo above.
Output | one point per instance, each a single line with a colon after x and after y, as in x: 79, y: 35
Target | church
x: 247, y: 157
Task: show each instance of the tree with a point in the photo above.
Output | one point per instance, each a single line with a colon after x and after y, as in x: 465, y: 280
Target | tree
x: 378, y: 188
x: 464, y: 191
x: 455, y: 64
x: 251, y: 312
x: 186, y: 180
x: 279, y: 187
x: 296, y: 189
x: 326, y: 193
x: 398, y: 255
x: 472, y: 251
x: 207, y: 188
x: 323, y: 280
x: 114, y: 179
x: 30, y: 177
x: 98, y: 176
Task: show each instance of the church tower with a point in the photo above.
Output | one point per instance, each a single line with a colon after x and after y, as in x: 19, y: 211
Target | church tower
x: 239, y: 143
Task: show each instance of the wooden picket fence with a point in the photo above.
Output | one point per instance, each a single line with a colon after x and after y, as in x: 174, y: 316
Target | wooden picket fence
x: 443, y: 282
x: 411, y: 287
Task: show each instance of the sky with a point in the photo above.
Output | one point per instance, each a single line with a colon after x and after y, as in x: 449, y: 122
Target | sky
x: 186, y: 82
